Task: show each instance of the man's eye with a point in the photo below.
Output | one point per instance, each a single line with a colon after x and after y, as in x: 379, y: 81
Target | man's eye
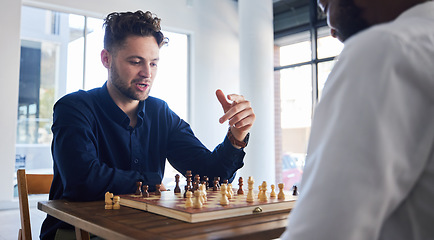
x: 134, y: 62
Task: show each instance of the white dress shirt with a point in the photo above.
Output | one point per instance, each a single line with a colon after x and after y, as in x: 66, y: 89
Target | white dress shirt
x: 369, y: 170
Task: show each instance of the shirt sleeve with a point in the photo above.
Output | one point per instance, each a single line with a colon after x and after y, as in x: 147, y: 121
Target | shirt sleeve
x: 83, y: 176
x: 370, y: 140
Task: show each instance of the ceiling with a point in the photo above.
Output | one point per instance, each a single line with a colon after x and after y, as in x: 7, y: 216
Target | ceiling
x: 293, y: 16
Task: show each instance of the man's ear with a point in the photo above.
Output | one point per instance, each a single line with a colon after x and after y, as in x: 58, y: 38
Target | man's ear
x: 106, y: 58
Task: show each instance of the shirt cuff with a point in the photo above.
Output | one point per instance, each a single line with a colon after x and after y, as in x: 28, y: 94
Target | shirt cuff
x: 232, y: 154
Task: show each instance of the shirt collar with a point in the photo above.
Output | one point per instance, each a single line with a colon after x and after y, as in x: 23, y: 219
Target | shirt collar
x: 115, y: 113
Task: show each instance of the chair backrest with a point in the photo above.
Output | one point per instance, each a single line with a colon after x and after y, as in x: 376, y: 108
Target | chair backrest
x: 30, y: 184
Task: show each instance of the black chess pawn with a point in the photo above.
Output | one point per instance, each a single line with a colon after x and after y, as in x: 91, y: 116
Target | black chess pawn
x: 240, y: 189
x: 177, y: 188
x: 205, y: 182
x: 294, y: 190
x: 185, y: 191
x: 145, y: 192
x: 139, y: 188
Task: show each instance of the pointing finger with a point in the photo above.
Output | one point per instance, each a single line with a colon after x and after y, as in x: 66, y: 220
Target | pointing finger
x: 222, y: 99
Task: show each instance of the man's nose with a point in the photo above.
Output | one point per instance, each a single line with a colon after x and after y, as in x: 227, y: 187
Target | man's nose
x: 145, y: 71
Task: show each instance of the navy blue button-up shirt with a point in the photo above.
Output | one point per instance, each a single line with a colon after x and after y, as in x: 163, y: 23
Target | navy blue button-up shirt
x: 95, y: 150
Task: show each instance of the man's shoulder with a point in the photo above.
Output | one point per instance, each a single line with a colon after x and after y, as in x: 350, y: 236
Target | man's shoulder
x: 156, y: 103
x: 80, y: 98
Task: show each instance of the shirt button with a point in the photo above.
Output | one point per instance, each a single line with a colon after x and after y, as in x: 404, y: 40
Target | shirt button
x: 136, y: 160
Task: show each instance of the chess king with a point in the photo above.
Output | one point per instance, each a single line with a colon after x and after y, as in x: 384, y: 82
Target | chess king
x: 109, y: 138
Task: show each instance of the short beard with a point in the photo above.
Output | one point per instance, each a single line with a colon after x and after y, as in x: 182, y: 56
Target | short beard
x: 350, y: 21
x: 125, y: 90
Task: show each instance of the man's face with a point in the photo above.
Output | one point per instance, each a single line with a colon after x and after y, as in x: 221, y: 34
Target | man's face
x: 343, y: 17
x: 134, y: 66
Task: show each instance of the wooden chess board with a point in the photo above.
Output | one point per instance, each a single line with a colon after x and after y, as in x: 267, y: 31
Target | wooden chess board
x: 172, y: 205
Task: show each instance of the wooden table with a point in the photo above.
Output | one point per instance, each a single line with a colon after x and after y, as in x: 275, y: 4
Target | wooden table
x: 129, y: 223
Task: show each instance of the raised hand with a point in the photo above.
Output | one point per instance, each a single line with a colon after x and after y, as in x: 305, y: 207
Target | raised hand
x: 238, y: 112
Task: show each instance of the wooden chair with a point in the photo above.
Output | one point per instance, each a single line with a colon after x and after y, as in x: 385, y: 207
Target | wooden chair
x: 30, y: 184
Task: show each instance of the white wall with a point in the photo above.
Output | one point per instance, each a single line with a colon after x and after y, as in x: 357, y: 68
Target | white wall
x: 214, y: 61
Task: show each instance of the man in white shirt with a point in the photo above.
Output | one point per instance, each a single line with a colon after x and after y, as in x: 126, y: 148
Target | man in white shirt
x: 369, y: 170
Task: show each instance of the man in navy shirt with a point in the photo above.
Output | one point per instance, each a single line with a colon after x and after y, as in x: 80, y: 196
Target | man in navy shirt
x: 109, y: 138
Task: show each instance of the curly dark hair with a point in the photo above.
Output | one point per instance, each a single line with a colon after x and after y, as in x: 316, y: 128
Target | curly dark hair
x: 120, y: 25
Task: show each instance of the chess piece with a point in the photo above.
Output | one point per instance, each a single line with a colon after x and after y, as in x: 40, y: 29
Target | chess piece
x: 294, y: 190
x: 177, y: 188
x: 196, y: 182
x: 116, y: 202
x: 108, y: 200
x: 224, y: 201
x: 145, y: 192
x: 260, y: 191
x: 188, y: 177
x: 281, y: 195
x: 273, y: 192
x: 157, y: 189
x: 204, y: 196
x: 250, y: 195
x: 216, y: 184
x: 139, y: 188
x: 197, y: 203
x: 240, y: 184
x: 205, y: 182
x: 185, y: 191
x: 230, y: 191
x: 189, y: 201
x: 263, y: 196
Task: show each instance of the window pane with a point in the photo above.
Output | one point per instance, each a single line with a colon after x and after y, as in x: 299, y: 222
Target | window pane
x: 75, y: 56
x: 296, y: 108
x: 171, y: 83
x: 95, y: 73
x: 328, y: 46
x: 43, y: 34
x: 295, y: 53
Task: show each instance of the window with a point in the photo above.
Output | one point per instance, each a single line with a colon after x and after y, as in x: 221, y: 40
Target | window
x: 60, y: 54
x: 299, y: 91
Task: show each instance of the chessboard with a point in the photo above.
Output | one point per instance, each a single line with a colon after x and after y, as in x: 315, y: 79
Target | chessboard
x: 172, y: 205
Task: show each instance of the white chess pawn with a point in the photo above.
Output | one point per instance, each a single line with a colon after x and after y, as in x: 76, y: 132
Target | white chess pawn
x: 264, y: 197
x: 281, y: 195
x: 197, y: 203
x: 202, y: 188
x: 189, y: 201
x: 273, y: 192
x: 260, y: 192
x: 230, y: 191
x: 116, y: 202
x: 224, y: 195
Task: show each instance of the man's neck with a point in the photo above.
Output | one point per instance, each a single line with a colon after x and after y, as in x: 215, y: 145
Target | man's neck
x: 127, y: 105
